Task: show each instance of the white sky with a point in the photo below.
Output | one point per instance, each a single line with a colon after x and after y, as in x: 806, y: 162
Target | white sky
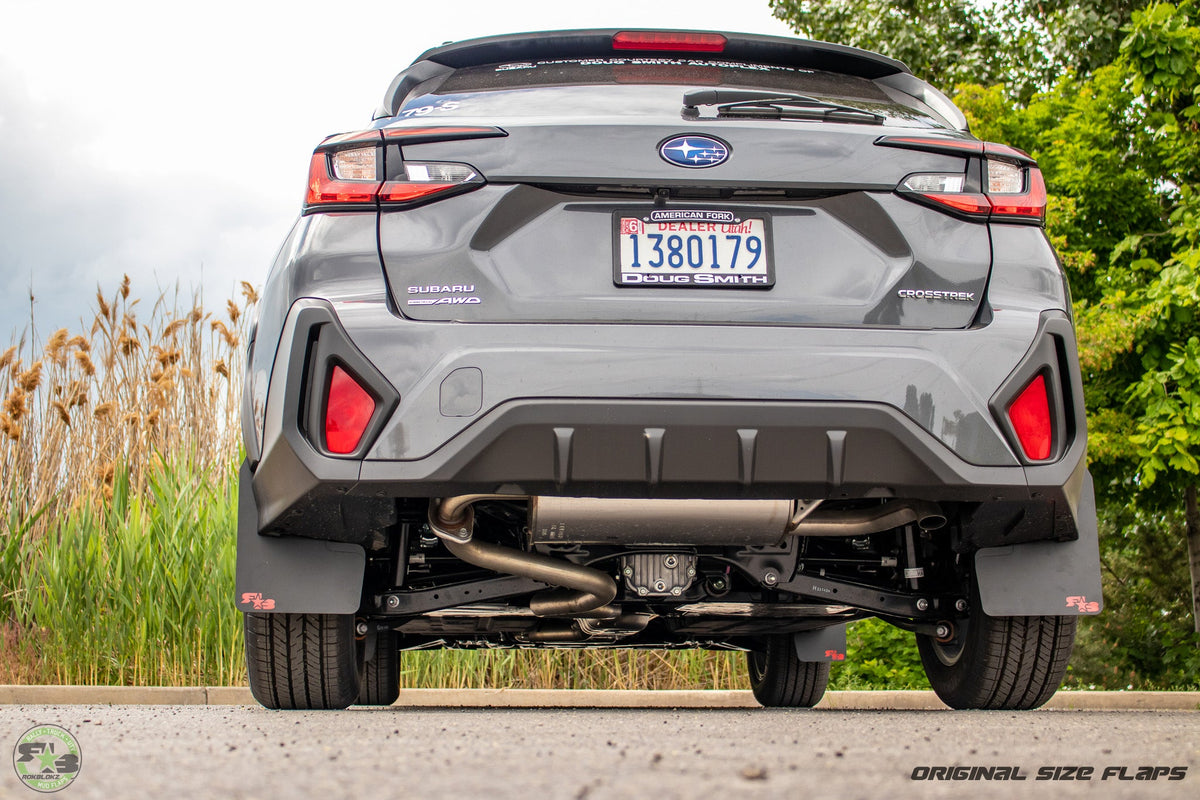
x: 170, y: 141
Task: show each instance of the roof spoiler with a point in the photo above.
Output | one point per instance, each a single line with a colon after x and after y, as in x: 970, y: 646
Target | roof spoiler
x: 598, y: 43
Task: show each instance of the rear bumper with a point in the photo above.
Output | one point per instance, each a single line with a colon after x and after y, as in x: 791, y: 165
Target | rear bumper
x: 646, y: 411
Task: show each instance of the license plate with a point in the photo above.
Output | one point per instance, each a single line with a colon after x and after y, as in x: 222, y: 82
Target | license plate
x: 692, y: 248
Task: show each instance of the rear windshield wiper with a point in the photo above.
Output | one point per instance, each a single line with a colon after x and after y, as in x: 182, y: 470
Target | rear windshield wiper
x: 748, y: 103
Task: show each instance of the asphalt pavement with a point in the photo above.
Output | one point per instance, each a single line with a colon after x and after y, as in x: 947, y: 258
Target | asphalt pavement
x: 233, y: 751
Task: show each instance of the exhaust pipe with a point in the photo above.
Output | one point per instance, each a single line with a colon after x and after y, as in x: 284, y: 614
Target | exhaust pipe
x: 584, y: 630
x: 594, y: 520
x: 859, y: 522
x: 585, y: 591
x: 554, y: 634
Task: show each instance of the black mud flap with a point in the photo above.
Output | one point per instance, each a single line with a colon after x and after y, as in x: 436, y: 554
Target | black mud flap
x: 290, y: 574
x: 826, y: 644
x: 1045, y: 578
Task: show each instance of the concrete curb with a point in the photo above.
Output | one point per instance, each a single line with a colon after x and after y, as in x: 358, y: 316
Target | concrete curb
x: 106, y: 695
x: 578, y: 698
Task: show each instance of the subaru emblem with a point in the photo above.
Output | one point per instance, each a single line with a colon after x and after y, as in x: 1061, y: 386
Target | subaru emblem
x: 694, y: 151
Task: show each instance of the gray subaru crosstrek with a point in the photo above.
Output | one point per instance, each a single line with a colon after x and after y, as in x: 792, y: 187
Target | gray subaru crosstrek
x: 665, y: 339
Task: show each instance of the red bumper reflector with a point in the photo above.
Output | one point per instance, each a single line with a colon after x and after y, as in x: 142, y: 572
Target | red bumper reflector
x: 669, y: 41
x: 1030, y: 417
x: 348, y: 410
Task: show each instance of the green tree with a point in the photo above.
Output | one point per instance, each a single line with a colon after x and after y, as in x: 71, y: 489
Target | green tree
x: 1026, y: 44
x: 945, y: 41
x: 1105, y: 96
x: 1161, y: 53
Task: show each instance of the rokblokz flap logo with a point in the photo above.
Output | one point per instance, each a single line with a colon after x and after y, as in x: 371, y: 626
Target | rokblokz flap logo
x: 47, y: 758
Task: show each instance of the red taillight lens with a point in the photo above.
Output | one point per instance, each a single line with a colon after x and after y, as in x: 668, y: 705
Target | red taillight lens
x: 973, y: 204
x: 348, y: 410
x: 344, y: 172
x: 1030, y: 417
x: 408, y: 134
x: 1013, y: 187
x: 1029, y: 204
x: 933, y: 144
x: 398, y: 192
x: 669, y: 41
x: 324, y: 188
x: 425, y: 178
x: 945, y: 189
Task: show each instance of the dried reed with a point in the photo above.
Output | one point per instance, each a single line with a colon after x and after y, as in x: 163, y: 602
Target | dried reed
x: 130, y: 392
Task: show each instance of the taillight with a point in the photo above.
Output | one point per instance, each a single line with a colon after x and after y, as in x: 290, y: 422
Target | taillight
x: 933, y: 144
x: 1016, y: 192
x: 425, y: 178
x: 946, y: 189
x: 327, y: 186
x: 669, y: 41
x: 348, y: 411
x: 409, y: 134
x: 366, y: 168
x: 1012, y: 187
x: 1030, y: 416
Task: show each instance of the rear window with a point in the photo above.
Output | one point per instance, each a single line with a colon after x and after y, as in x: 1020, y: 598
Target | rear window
x: 632, y: 86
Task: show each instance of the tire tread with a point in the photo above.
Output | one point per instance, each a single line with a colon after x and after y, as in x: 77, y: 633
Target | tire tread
x: 381, y: 675
x: 1012, y: 663
x: 302, y: 661
x: 786, y: 681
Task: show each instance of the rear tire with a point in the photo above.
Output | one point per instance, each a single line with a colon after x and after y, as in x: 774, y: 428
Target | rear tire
x: 303, y: 661
x: 780, y: 679
x: 1012, y: 663
x: 381, y: 675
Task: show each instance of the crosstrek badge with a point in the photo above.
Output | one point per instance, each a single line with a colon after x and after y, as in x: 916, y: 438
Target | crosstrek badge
x: 935, y: 294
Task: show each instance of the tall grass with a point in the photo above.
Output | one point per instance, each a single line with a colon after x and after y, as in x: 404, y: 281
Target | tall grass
x: 574, y: 669
x: 118, y: 452
x: 137, y: 590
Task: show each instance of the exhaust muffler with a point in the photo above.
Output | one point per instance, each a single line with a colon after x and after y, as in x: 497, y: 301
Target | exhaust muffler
x: 594, y: 520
